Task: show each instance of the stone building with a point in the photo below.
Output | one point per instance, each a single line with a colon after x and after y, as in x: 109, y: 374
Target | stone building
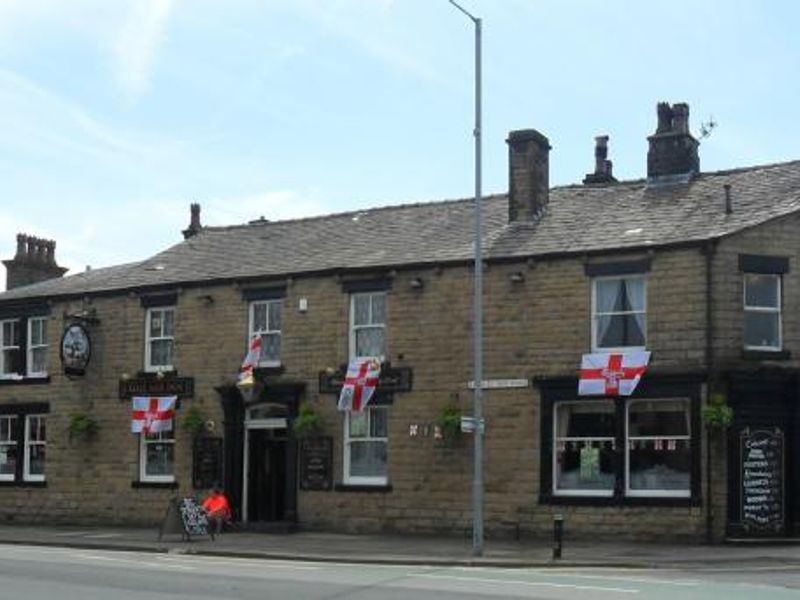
x: 698, y: 268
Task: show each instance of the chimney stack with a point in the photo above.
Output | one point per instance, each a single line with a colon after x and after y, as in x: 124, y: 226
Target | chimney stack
x: 34, y: 261
x: 528, y: 174
x: 194, y: 222
x: 673, y: 151
x: 602, y: 166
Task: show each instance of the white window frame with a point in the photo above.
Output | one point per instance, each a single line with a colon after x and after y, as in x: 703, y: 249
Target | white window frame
x: 29, y: 444
x: 361, y: 480
x: 148, y: 339
x: 253, y: 331
x: 628, y: 439
x: 596, y: 315
x: 12, y: 427
x: 32, y: 346
x: 765, y: 310
x: 557, y: 439
x: 370, y: 325
x: 5, y: 373
x: 143, y: 442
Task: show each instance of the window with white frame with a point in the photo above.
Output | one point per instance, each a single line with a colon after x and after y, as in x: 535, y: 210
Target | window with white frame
x: 762, y: 312
x: 365, y: 443
x: 658, y: 448
x: 265, y: 321
x: 8, y: 447
x: 619, y: 313
x: 10, y: 348
x: 649, y: 454
x: 23, y: 447
x: 37, y: 347
x: 584, y: 445
x: 160, y: 339
x: 157, y: 457
x: 368, y: 324
x: 35, y: 447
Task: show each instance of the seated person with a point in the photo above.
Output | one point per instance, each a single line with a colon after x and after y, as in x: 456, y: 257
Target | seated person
x: 218, y: 508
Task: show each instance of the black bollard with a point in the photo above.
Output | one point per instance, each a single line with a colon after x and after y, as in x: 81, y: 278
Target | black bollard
x: 558, y: 533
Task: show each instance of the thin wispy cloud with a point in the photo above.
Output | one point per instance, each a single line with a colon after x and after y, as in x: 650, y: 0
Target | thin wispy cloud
x: 138, y: 43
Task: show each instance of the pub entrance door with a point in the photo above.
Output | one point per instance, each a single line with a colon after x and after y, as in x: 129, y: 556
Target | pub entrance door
x: 268, y: 460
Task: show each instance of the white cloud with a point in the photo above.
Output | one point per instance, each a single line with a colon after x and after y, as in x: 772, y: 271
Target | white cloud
x: 138, y: 43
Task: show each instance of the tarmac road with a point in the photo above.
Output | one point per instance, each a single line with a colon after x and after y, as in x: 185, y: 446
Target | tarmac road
x: 46, y: 573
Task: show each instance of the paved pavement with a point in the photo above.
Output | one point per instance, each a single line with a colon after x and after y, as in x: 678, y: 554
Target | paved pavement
x: 390, y: 549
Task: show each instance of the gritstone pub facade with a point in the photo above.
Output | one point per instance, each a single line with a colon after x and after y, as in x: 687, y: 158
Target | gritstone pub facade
x: 699, y: 272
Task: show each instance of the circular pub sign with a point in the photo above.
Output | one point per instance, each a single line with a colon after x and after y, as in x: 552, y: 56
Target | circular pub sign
x: 76, y: 349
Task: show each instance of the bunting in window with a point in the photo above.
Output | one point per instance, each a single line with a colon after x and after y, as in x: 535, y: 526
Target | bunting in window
x: 359, y: 384
x: 612, y: 374
x: 245, y: 379
x: 153, y: 414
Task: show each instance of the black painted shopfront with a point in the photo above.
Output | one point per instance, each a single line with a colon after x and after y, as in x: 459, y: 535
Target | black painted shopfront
x: 763, y: 454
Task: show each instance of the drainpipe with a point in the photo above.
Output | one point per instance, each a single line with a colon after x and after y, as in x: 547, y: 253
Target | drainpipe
x: 709, y: 250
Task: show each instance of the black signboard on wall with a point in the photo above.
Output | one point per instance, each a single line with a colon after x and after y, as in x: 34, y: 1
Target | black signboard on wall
x: 207, y: 463
x: 316, y: 464
x: 762, y: 479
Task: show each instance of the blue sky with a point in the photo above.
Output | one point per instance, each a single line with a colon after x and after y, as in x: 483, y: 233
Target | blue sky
x: 115, y: 115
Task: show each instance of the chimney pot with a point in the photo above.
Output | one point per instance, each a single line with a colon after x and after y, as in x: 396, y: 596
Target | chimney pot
x: 22, y: 242
x: 194, y: 222
x: 602, y: 166
x: 528, y: 174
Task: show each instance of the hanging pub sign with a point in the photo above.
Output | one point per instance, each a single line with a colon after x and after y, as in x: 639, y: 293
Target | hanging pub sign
x: 76, y: 349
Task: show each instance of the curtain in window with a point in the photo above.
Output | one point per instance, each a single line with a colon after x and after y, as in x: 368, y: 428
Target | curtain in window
x: 620, y: 313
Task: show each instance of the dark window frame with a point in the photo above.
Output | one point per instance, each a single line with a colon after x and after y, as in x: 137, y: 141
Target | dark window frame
x: 554, y: 390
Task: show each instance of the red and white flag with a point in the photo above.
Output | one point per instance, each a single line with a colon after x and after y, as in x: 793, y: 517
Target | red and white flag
x: 250, y: 362
x: 359, y: 383
x: 153, y: 414
x: 612, y: 374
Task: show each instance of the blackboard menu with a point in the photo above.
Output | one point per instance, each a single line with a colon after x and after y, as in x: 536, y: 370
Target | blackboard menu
x: 762, y: 479
x: 194, y: 517
x: 207, y: 463
x: 316, y: 464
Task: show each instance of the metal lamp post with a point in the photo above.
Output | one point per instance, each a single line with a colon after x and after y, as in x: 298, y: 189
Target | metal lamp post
x: 477, y: 406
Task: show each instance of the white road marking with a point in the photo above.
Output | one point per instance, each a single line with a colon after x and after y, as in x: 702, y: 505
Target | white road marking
x: 594, y: 588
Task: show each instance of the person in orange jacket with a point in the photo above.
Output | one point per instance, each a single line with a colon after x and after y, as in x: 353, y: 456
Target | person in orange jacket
x: 217, y: 508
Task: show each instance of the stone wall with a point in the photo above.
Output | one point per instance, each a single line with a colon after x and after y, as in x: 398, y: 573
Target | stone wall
x: 536, y: 327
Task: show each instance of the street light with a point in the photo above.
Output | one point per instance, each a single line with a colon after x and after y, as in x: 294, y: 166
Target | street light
x: 477, y: 404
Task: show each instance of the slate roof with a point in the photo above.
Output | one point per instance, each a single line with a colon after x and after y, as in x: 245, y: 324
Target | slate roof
x: 579, y: 219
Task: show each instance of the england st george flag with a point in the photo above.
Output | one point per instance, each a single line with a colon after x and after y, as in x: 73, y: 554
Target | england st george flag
x: 612, y: 373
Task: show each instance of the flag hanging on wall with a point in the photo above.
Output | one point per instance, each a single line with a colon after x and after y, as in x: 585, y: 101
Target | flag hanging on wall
x: 359, y: 383
x: 250, y: 362
x: 153, y: 414
x: 612, y: 374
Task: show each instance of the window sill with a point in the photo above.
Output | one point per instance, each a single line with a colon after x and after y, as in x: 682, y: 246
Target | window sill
x: 157, y: 485
x: 601, y: 501
x: 25, y: 380
x: 365, y: 488
x: 766, y: 354
x: 23, y: 484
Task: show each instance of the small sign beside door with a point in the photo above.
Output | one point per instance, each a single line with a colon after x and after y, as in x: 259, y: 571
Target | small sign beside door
x: 316, y: 464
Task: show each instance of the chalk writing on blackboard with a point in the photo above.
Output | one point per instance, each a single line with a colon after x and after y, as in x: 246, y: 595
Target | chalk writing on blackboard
x: 762, y: 479
x: 194, y: 517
